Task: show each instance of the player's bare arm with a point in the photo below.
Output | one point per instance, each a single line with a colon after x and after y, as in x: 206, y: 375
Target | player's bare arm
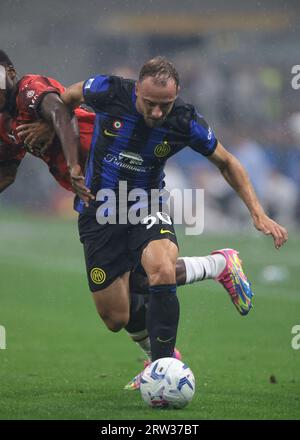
x: 55, y: 111
x: 73, y: 97
x: 237, y: 177
x: 38, y: 138
x: 8, y: 174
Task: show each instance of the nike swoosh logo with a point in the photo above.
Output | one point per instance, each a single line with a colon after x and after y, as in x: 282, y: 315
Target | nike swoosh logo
x: 167, y: 340
x: 166, y: 231
x: 109, y: 133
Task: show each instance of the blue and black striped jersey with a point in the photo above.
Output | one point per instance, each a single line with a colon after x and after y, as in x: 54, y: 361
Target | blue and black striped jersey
x: 124, y: 148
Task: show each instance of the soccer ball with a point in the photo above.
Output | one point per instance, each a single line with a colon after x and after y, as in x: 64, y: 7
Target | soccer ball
x: 167, y: 382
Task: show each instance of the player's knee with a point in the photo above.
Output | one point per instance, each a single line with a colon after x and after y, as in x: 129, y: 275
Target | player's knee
x: 163, y: 274
x: 115, y: 323
x: 115, y: 326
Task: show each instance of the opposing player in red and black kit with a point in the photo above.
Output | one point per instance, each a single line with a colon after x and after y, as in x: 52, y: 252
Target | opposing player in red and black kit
x: 36, y: 98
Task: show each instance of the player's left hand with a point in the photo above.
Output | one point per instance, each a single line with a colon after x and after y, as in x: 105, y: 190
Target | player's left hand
x: 37, y: 135
x: 268, y: 226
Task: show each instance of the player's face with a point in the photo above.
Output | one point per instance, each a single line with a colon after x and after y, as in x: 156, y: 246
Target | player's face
x: 154, y: 100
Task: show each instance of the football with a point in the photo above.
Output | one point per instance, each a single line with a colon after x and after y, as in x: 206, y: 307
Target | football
x: 167, y: 382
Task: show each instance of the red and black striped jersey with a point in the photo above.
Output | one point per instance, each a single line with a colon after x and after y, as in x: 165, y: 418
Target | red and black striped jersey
x: 30, y: 93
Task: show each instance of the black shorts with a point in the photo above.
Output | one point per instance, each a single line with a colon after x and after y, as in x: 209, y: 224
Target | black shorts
x: 111, y: 250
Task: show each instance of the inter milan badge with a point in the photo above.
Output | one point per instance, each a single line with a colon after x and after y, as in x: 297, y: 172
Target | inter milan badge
x: 98, y: 276
x: 162, y: 150
x: 117, y: 125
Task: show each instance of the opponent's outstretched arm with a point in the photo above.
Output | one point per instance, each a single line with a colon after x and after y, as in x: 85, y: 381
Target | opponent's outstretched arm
x: 73, y: 97
x: 237, y: 177
x: 64, y: 123
x: 59, y: 113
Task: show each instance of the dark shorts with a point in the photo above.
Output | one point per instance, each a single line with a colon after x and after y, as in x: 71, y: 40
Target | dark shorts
x: 111, y: 250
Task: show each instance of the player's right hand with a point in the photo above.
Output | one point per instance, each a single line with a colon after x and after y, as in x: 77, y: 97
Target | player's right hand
x: 77, y: 180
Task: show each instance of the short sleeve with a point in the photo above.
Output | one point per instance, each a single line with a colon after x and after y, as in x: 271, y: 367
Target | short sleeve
x: 32, y: 89
x: 202, y: 137
x: 96, y: 91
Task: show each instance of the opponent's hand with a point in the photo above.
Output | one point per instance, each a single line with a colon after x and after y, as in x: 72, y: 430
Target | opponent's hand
x: 77, y: 180
x: 36, y: 136
x: 268, y: 226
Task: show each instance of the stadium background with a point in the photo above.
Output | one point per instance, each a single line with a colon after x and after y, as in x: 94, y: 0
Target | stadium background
x: 235, y: 61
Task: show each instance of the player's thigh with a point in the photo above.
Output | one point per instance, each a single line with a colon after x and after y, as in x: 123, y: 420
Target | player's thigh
x: 113, y: 304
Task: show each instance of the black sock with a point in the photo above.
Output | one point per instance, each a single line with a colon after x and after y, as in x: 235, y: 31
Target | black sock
x: 162, y: 320
x: 137, y: 317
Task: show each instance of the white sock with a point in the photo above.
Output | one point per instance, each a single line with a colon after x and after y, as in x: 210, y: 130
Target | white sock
x: 203, y: 268
x: 143, y: 341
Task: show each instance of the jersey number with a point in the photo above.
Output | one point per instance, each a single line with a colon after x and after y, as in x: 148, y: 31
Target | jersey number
x: 150, y: 220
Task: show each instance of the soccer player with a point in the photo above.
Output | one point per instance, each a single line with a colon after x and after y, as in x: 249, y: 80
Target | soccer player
x: 138, y: 126
x: 23, y: 102
x: 37, y: 98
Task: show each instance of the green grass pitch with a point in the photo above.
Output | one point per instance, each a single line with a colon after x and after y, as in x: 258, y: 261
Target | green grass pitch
x: 60, y: 362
